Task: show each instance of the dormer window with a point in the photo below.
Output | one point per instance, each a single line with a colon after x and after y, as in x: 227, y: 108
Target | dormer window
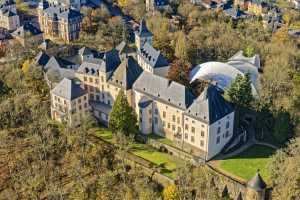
x: 169, y: 99
x: 179, y: 104
x: 144, y: 89
x: 158, y: 95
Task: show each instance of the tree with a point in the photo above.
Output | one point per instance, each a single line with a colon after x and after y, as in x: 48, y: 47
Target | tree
x: 240, y: 91
x: 282, y: 127
x: 179, y: 72
x: 170, y: 192
x: 122, y: 118
x: 181, y: 47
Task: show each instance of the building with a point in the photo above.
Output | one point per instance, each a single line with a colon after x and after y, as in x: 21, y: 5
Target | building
x: 152, y: 5
x: 256, y: 188
x: 59, y: 22
x: 77, y: 4
x: 142, y: 35
x: 9, y: 18
x: 69, y: 102
x: 28, y: 35
x: 170, y: 110
x: 152, y: 60
x: 224, y: 73
x: 202, y: 124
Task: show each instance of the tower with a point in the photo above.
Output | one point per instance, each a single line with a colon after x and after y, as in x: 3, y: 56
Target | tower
x: 42, y: 6
x: 142, y: 35
x: 256, y: 188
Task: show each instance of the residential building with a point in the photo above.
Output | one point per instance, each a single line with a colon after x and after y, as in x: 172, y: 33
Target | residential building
x: 152, y: 60
x: 152, y: 5
x: 59, y: 22
x: 28, y: 35
x: 77, y: 4
x: 142, y: 35
x: 9, y: 18
x: 69, y: 102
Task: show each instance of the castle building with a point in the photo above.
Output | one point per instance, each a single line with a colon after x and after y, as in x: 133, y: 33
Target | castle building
x: 142, y: 35
x: 28, y: 35
x: 9, y: 18
x: 69, y: 102
x: 59, y: 22
x: 256, y: 188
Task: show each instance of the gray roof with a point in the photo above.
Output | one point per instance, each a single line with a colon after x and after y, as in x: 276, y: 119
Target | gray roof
x: 27, y: 29
x: 65, y: 68
x: 143, y: 30
x: 257, y: 183
x: 152, y: 56
x: 210, y: 106
x: 42, y: 58
x: 123, y: 48
x: 4, y: 3
x: 164, y: 90
x: 68, y: 89
x: 126, y: 73
x: 85, y: 51
x: 60, y: 12
x: 90, y: 67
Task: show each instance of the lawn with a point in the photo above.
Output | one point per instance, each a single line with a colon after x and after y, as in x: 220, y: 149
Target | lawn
x: 246, y: 164
x: 168, y: 163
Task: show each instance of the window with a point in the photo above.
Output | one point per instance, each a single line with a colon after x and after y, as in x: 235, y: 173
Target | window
x: 80, y: 107
x: 202, y: 133
x: 85, y: 78
x: 179, y: 129
x: 65, y: 102
x: 164, y: 123
x: 156, y: 111
x: 108, y: 102
x: 227, y: 124
x: 97, y: 81
x: 192, y: 138
x: 92, y: 96
x: 227, y: 134
x: 169, y: 125
x: 79, y: 100
x: 97, y: 90
x: 150, y: 111
x: 155, y: 120
x: 219, y: 130
x: 90, y: 80
x: 97, y: 98
x: 85, y: 105
x: 83, y: 98
x: 150, y: 121
x: 186, y: 127
x: 201, y: 143
x: 186, y: 136
x: 174, y: 118
x: 193, y: 129
x: 101, y: 78
x: 91, y: 88
x: 164, y: 114
x: 218, y: 139
x: 173, y: 127
x: 178, y: 120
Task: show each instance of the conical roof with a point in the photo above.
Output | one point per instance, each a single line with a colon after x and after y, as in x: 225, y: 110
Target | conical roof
x: 257, y: 183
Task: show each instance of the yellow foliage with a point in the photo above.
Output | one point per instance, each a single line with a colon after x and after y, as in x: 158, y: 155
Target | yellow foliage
x: 170, y: 193
x: 25, y: 66
x: 122, y: 3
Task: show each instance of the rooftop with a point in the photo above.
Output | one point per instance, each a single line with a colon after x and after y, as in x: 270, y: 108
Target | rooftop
x: 68, y: 89
x: 152, y: 56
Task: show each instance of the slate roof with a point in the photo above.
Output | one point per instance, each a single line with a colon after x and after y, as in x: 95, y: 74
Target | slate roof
x: 90, y: 67
x: 145, y: 102
x: 234, y: 13
x: 42, y: 58
x: 164, y: 90
x: 68, y: 89
x: 111, y: 60
x: 160, y: 2
x: 27, y: 28
x: 126, y: 73
x: 4, y: 3
x: 257, y: 183
x: 85, y: 51
x: 63, y: 67
x: 60, y: 12
x: 210, y: 106
x: 143, y: 31
x: 152, y: 56
x: 123, y: 48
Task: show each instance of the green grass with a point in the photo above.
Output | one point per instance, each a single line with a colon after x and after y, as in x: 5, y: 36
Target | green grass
x: 161, y: 139
x: 246, y: 164
x: 168, y: 163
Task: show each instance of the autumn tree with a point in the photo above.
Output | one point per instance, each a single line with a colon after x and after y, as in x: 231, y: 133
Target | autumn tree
x: 122, y: 118
x: 179, y: 72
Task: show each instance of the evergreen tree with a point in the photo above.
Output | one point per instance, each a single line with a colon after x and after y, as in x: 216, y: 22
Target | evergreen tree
x: 122, y: 117
x: 240, y: 92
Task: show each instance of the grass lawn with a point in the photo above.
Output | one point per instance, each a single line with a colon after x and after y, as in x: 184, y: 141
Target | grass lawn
x: 168, y: 163
x: 246, y: 164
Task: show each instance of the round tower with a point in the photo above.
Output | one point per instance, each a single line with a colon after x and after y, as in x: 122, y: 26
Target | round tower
x: 256, y: 188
